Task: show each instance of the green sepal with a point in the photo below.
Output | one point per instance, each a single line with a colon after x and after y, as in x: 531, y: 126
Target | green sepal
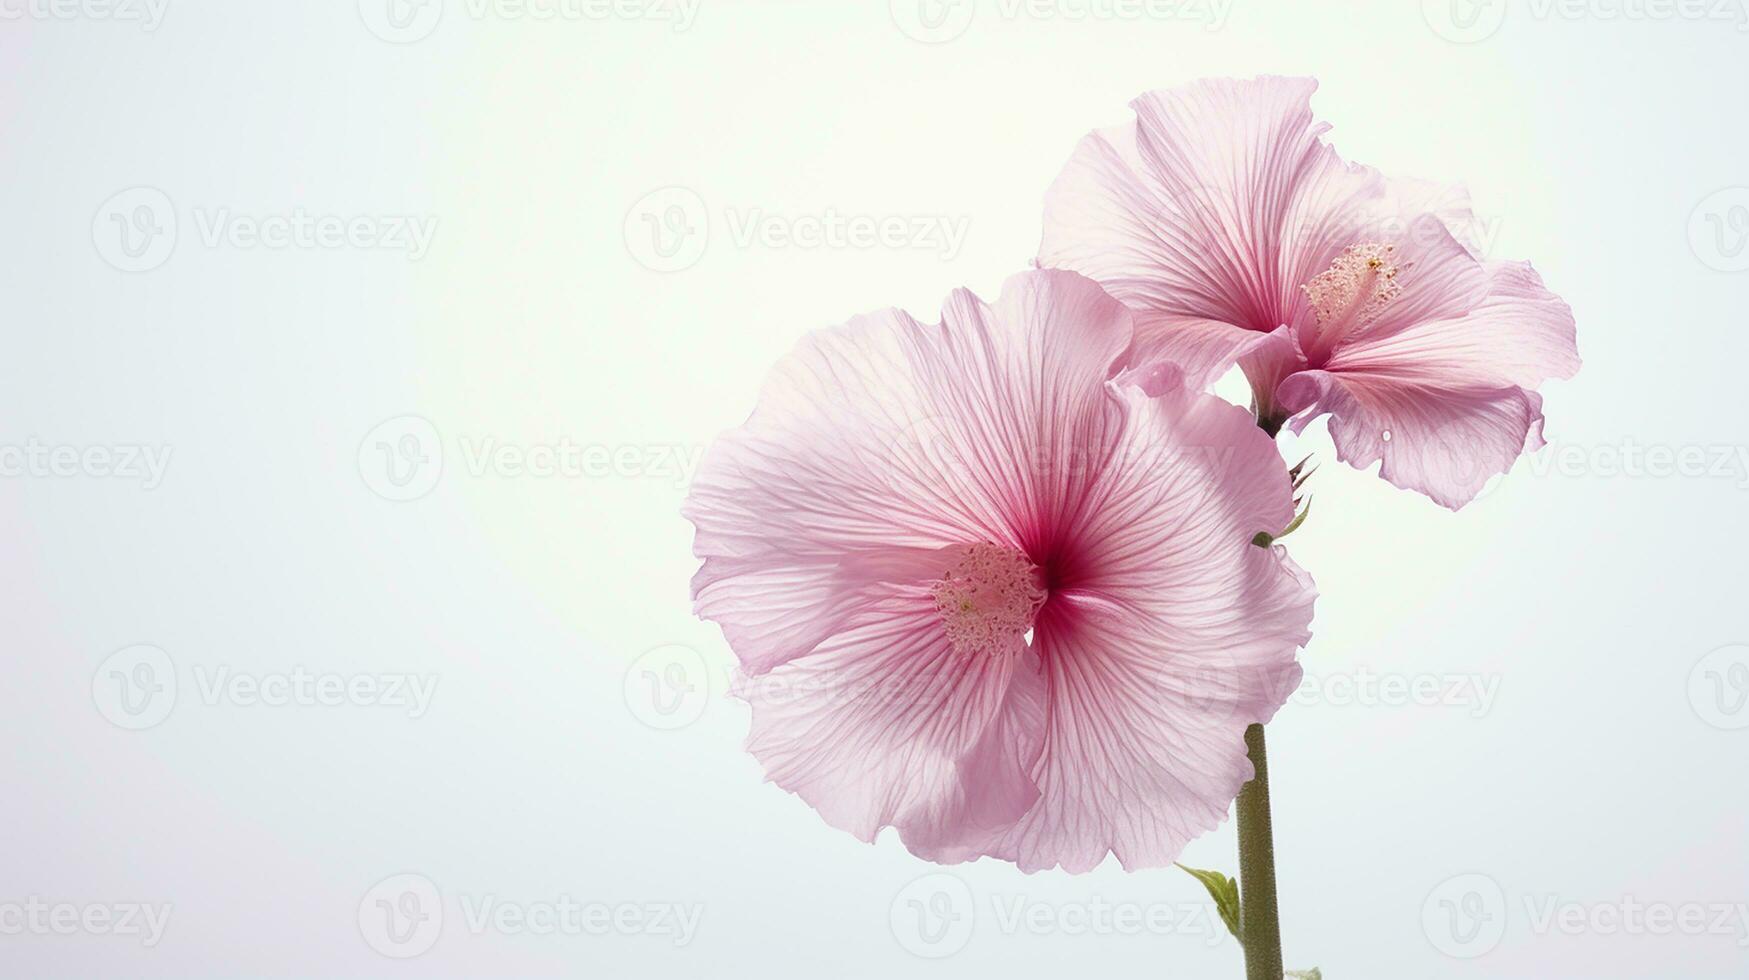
x: 1225, y: 892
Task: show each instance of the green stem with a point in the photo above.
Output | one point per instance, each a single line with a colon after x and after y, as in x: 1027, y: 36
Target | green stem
x: 1259, y: 922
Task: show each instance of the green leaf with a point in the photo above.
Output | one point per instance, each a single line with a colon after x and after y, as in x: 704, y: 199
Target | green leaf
x: 1225, y: 892
x: 1305, y: 975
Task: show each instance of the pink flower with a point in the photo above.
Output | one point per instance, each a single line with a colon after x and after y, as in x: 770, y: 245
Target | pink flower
x: 1235, y: 233
x: 984, y: 594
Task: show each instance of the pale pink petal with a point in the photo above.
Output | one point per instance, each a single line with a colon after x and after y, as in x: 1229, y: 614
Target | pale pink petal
x: 1216, y: 205
x: 887, y: 437
x: 1445, y: 404
x: 1515, y: 332
x: 1443, y: 443
x: 887, y: 724
x: 1203, y: 350
x: 1435, y: 276
x: 1168, y: 637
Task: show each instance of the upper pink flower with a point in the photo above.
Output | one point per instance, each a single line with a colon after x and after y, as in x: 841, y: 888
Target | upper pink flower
x: 1237, y: 234
x: 984, y: 594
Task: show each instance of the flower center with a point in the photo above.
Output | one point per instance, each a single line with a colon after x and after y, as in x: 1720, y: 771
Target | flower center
x: 1353, y: 291
x: 988, y: 598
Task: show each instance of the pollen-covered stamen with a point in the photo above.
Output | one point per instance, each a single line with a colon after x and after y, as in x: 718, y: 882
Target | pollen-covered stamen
x: 1353, y: 291
x: 988, y: 598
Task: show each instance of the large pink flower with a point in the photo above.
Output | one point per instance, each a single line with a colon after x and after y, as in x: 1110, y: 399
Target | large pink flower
x: 1237, y: 234
x: 984, y: 594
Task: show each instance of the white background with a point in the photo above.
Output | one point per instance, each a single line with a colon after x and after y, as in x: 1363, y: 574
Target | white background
x: 1585, y: 590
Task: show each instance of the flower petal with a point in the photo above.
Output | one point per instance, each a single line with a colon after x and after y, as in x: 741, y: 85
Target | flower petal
x: 1446, y: 403
x: 1217, y: 204
x: 1172, y: 637
x: 887, y: 724
x: 885, y: 439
